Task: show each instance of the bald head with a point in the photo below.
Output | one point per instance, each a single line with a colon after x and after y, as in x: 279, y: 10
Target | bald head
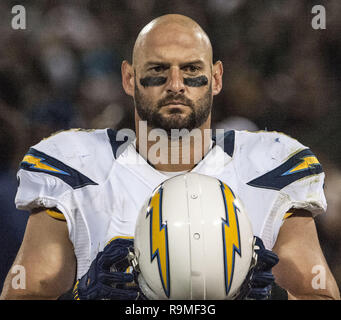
x: 171, y: 30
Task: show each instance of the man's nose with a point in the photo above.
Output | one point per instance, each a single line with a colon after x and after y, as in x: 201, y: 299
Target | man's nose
x: 175, y: 83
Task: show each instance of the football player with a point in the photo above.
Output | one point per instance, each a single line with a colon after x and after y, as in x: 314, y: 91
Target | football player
x: 85, y: 188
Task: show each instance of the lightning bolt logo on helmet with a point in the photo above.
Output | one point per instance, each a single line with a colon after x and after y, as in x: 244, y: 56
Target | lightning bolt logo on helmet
x: 231, y: 236
x: 159, y: 238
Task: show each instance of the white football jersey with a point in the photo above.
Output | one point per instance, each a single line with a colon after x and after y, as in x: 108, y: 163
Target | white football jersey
x: 99, y: 184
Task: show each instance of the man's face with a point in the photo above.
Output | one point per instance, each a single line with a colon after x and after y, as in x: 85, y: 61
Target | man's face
x: 173, y: 85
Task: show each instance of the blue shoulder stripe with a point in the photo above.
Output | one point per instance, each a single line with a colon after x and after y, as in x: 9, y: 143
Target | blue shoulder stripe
x: 38, y: 161
x: 226, y: 142
x: 300, y: 165
x: 115, y: 142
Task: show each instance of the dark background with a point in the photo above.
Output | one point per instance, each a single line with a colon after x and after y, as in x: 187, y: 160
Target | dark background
x: 63, y: 71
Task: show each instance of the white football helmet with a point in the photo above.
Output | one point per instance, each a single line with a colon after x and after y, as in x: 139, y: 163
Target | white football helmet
x: 193, y: 241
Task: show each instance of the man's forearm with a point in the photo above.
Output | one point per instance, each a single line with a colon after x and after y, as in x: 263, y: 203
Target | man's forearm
x: 10, y: 293
x: 312, y: 297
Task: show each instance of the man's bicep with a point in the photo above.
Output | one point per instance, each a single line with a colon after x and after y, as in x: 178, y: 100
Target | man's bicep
x: 47, y: 258
x: 300, y: 255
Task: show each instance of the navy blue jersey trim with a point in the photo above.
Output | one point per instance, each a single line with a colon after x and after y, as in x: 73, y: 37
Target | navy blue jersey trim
x: 115, y: 144
x: 227, y: 143
x: 285, y: 174
x: 38, y: 161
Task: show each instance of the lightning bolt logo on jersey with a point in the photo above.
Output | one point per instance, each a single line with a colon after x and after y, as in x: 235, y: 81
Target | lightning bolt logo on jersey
x: 300, y: 165
x: 231, y: 237
x: 306, y: 163
x: 159, y: 238
x: 39, y: 164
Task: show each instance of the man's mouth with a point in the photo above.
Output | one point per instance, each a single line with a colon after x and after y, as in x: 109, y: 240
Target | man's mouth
x: 175, y: 103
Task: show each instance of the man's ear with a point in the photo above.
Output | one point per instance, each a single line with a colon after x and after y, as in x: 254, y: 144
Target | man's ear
x: 217, y: 77
x: 128, y: 80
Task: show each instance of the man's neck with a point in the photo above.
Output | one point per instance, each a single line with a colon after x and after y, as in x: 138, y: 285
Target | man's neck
x: 173, y: 153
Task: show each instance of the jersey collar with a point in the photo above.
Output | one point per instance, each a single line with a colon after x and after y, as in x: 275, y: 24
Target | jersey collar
x: 212, y: 164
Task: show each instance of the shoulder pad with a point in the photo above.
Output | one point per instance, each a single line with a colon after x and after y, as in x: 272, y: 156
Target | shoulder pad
x: 274, y: 160
x: 78, y: 157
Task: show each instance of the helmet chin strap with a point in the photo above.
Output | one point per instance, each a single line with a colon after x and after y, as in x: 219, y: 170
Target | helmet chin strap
x: 144, y: 287
x: 129, y: 260
x: 133, y: 259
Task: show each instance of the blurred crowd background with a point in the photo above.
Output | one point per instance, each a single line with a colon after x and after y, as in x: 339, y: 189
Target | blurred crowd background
x: 63, y: 71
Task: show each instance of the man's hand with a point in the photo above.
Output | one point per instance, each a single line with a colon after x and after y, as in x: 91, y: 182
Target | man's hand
x: 107, y: 277
x: 259, y: 285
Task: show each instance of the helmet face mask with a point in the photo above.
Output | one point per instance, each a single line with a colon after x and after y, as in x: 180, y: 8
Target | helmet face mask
x: 193, y: 240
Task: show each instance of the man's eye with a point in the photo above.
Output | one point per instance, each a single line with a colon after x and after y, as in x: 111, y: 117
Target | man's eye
x: 190, y: 68
x: 158, y: 68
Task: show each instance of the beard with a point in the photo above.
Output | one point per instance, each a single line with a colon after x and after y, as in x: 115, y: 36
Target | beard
x: 147, y: 111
